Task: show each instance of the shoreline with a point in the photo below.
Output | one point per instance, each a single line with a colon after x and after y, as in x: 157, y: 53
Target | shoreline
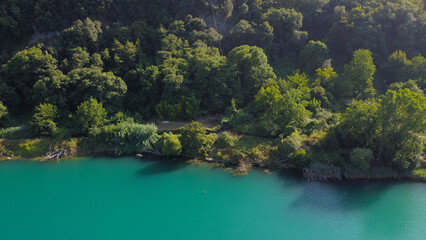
x: 220, y: 163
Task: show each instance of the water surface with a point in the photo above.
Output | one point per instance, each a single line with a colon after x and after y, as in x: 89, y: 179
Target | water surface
x: 128, y: 198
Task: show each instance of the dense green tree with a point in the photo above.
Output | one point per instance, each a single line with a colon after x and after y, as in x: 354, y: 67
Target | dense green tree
x: 249, y: 71
x: 85, y: 83
x: 169, y: 144
x: 3, y: 114
x: 250, y: 33
x: 195, y: 140
x: 410, y: 84
x: 361, y: 158
x: 327, y: 78
x: 52, y: 89
x: 208, y: 77
x: 22, y: 71
x: 90, y: 114
x: 359, y: 124
x: 193, y: 29
x: 384, y: 26
x: 43, y: 121
x: 143, y: 89
x: 81, y: 34
x: 277, y: 113
x: 80, y: 58
x: 359, y: 74
x: 313, y: 56
x: 402, y: 119
x: 285, y: 23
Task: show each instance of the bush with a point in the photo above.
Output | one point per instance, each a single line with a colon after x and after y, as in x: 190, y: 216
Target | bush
x: 195, y: 140
x: 226, y: 140
x: 361, y: 158
x: 43, y: 121
x: 169, y: 144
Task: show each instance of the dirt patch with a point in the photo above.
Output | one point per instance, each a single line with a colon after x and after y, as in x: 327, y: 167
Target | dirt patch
x: 207, y: 122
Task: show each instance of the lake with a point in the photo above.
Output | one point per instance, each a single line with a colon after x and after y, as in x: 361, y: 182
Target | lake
x: 130, y: 198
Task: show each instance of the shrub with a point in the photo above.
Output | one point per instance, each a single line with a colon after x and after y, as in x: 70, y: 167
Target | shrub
x: 226, y: 140
x: 43, y: 121
x: 195, y: 140
x: 361, y: 158
x: 169, y: 144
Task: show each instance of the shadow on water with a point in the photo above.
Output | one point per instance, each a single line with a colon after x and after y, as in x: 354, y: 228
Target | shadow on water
x: 344, y: 196
x: 161, y: 166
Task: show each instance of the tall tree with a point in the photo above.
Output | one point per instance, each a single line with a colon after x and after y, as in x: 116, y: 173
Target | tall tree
x: 359, y: 74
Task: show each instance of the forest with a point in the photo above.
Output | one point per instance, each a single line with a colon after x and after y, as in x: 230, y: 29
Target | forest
x: 333, y: 87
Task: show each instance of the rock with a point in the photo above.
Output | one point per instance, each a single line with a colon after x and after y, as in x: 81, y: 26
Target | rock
x: 139, y: 155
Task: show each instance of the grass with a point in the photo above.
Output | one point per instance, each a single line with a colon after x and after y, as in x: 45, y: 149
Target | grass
x: 38, y: 146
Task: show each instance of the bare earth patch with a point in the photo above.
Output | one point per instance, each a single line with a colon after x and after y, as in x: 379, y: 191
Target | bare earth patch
x: 208, y: 122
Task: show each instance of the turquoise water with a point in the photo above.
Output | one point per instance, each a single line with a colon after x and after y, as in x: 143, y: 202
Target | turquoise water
x: 128, y: 198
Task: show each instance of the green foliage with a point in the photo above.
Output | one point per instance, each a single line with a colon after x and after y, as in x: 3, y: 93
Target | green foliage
x: 166, y: 111
x: 4, y: 114
x: 250, y: 33
x: 130, y: 137
x: 169, y: 144
x: 19, y: 132
x: 401, y: 118
x: 226, y: 140
x: 191, y: 106
x: 44, y: 118
x: 81, y: 33
x: 359, y: 124
x: 299, y: 159
x: 86, y: 83
x: 90, y: 114
x: 410, y: 84
x: 278, y: 114
x: 195, y: 140
x: 249, y: 70
x: 290, y: 144
x: 21, y: 73
x: 359, y: 73
x: 30, y: 147
x: 327, y: 78
x: 361, y: 158
x: 313, y: 56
